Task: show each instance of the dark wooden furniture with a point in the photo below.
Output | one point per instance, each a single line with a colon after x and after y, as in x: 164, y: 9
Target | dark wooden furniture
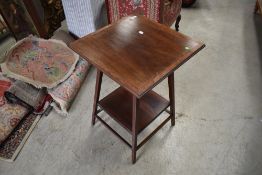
x: 47, y: 15
x: 4, y: 31
x: 258, y: 6
x: 138, y: 54
x: 187, y: 3
x: 27, y: 17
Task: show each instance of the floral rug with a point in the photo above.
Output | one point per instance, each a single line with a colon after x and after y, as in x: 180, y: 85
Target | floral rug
x: 15, y: 124
x: 120, y: 8
x: 14, y: 143
x: 10, y: 114
x: 65, y: 93
x: 163, y: 11
x: 40, y: 62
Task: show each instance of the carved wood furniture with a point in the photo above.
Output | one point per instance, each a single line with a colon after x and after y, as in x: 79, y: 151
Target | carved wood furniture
x: 138, y: 54
x: 163, y: 11
x: 32, y: 17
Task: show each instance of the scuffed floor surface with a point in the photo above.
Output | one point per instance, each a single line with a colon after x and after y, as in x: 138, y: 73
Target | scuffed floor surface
x: 218, y: 104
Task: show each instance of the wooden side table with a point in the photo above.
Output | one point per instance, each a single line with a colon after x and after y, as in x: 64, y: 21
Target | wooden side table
x: 138, y: 54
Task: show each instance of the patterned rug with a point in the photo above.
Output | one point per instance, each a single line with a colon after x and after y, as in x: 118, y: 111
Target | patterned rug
x: 163, y: 11
x: 65, y: 93
x: 120, y: 8
x: 42, y: 63
x: 14, y: 143
x: 10, y: 114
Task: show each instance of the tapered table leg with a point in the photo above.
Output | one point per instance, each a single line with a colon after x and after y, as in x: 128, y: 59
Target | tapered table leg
x: 99, y: 76
x: 171, y: 85
x: 134, y: 129
x: 177, y: 22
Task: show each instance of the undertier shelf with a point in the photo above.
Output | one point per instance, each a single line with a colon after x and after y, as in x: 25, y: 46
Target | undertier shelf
x: 118, y: 105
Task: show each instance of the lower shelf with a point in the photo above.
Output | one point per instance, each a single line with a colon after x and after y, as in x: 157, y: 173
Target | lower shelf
x: 118, y: 105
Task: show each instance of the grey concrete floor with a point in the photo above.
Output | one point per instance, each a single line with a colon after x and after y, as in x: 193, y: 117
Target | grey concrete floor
x: 218, y: 104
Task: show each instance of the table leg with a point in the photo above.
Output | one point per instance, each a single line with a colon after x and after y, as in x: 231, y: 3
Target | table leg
x: 99, y: 76
x: 177, y: 22
x: 134, y: 130
x: 171, y: 85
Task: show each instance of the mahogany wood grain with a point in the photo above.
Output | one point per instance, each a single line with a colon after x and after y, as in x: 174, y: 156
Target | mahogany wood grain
x: 118, y: 105
x: 136, y: 52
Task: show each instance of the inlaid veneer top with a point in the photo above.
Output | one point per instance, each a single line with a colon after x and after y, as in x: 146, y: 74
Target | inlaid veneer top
x: 136, y: 52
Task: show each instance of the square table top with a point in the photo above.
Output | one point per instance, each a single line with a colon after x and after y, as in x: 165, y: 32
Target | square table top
x: 136, y: 52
